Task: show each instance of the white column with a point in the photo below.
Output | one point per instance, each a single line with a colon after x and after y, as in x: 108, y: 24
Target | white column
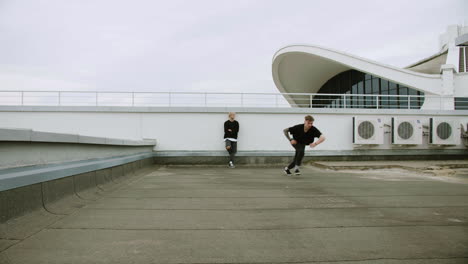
x: 448, y: 86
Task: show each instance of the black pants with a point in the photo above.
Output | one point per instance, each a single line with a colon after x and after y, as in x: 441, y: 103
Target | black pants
x: 300, y: 148
x: 232, y: 150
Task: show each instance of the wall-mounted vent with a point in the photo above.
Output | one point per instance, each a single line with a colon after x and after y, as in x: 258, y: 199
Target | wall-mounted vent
x: 406, y: 131
x: 367, y: 130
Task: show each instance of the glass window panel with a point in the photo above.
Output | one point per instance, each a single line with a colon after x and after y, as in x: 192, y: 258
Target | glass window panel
x: 421, y: 99
x: 355, y: 82
x: 392, y: 100
x: 384, y: 102
x: 360, y: 88
x: 414, y: 101
x: 370, y: 101
x: 375, y: 86
x: 403, y: 91
x: 348, y: 102
x: 461, y: 103
x: 384, y: 85
x: 360, y: 91
x: 403, y: 101
x: 368, y: 87
x: 412, y: 92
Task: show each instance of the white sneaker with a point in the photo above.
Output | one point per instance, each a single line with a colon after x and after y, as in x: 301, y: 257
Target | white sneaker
x: 231, y: 165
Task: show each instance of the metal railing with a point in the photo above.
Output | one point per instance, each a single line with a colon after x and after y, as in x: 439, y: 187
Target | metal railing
x: 205, y: 99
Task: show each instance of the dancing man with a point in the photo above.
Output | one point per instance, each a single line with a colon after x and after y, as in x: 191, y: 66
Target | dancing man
x: 303, y: 134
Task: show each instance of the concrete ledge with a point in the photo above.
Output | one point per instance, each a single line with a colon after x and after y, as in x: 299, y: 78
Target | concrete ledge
x: 15, y: 134
x: 91, y: 140
x: 317, y: 153
x: 113, y: 141
x: 283, y: 157
x: 23, y: 153
x: 53, y: 137
x: 23, y: 176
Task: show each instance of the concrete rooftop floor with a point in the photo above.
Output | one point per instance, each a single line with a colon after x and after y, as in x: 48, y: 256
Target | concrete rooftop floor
x: 258, y: 215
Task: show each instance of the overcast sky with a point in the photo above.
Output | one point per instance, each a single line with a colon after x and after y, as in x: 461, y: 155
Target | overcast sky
x: 211, y: 46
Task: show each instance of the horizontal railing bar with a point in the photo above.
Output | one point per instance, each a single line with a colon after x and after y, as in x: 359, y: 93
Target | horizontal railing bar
x: 224, y: 93
x: 207, y: 99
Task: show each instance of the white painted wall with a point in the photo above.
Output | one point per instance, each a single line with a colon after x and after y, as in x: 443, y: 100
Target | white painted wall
x: 461, y: 85
x: 204, y: 130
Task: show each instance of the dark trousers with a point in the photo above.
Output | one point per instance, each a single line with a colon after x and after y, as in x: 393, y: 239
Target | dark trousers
x: 232, y: 151
x: 300, y: 148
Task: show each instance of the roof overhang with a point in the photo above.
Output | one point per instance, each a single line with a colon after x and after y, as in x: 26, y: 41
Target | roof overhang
x: 305, y: 68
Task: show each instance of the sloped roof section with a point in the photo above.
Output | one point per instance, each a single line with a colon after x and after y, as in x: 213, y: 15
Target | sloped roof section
x: 305, y: 68
x: 429, y: 65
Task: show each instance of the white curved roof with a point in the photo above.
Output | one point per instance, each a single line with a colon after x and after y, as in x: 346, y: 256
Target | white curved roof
x: 305, y: 68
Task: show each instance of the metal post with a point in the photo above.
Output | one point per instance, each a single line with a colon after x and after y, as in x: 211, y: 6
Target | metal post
x: 22, y: 98
x: 170, y: 99
x: 409, y: 102
x: 59, y: 98
x: 310, y: 99
x: 133, y: 99
x: 205, y: 99
x: 97, y: 99
x: 377, y: 100
x: 344, y: 100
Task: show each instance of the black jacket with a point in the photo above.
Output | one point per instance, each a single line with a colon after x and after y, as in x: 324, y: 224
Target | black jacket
x: 234, y: 126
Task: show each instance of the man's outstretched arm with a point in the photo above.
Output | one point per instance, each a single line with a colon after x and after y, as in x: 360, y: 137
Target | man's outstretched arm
x: 319, y: 141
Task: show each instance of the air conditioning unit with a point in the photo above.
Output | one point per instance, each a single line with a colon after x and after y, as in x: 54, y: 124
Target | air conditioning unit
x: 368, y: 130
x: 406, y: 131
x: 443, y: 131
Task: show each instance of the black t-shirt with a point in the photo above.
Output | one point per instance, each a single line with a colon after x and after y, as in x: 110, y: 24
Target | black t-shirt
x: 304, y: 137
x: 234, y: 126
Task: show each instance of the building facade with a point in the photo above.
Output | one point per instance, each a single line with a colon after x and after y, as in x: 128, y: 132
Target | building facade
x: 436, y: 82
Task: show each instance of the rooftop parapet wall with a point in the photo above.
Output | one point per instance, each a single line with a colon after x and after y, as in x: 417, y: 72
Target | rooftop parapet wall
x: 201, y: 128
x: 29, y: 135
x: 26, y: 147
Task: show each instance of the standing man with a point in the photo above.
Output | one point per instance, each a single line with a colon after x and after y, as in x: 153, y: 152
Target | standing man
x: 231, y: 128
x: 303, y: 134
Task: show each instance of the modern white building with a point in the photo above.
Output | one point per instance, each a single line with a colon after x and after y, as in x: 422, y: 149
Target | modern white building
x: 438, y: 82
x: 364, y: 108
